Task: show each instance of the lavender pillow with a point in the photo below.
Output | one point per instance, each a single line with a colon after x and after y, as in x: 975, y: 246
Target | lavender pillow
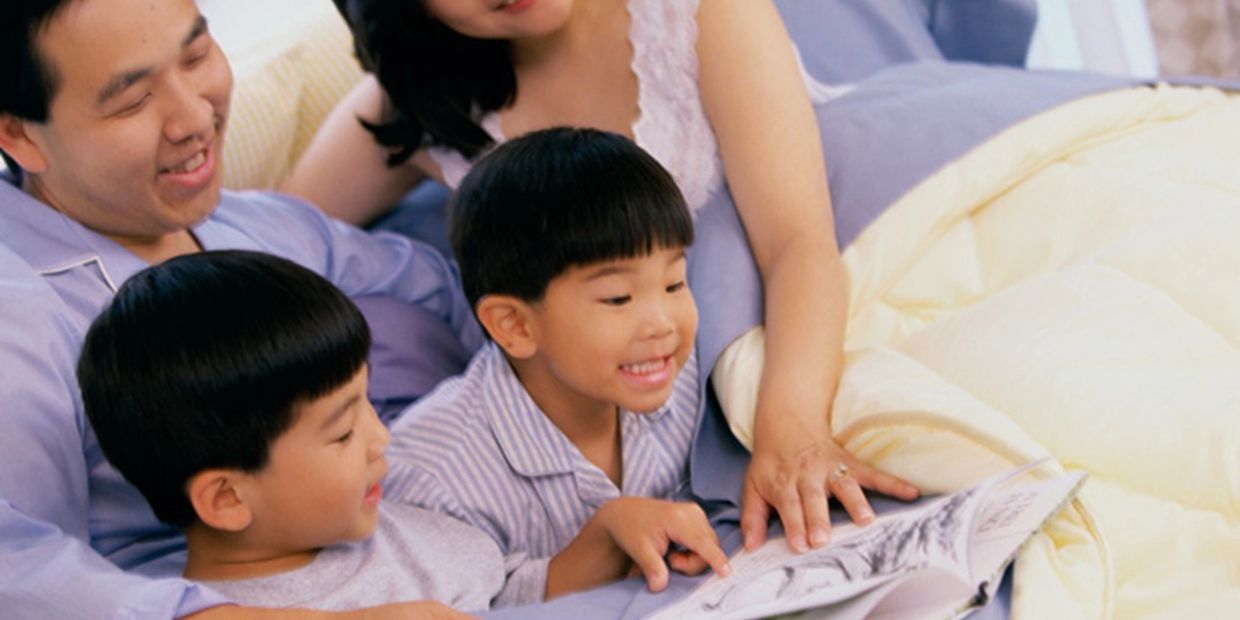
x: 849, y: 40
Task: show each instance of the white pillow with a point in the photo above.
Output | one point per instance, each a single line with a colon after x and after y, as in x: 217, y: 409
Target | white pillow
x: 262, y: 124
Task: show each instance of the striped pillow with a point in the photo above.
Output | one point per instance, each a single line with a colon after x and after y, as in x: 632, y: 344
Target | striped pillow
x: 283, y: 89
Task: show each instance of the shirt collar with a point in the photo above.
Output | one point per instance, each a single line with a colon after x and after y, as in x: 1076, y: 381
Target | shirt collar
x: 531, y: 443
x: 47, y: 239
x: 51, y: 242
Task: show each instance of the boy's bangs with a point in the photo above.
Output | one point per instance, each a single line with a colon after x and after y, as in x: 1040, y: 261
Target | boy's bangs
x: 632, y: 229
x: 557, y: 199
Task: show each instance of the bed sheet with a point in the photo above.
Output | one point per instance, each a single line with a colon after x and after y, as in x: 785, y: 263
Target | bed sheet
x: 888, y: 134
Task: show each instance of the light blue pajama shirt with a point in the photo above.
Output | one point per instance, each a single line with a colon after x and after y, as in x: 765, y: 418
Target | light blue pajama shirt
x: 76, y: 539
x: 480, y: 449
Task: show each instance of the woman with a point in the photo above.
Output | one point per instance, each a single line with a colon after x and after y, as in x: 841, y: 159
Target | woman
x: 458, y: 75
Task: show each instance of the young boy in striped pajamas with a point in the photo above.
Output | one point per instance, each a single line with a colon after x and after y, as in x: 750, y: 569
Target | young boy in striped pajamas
x: 569, y: 432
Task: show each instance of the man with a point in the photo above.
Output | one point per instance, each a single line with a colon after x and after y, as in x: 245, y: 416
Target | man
x: 112, y: 114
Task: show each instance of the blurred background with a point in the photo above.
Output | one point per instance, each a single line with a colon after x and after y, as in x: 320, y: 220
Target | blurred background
x: 1200, y: 37
x: 1144, y: 38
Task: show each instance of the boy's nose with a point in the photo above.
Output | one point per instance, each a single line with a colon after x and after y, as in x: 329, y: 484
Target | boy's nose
x: 658, y: 324
x: 381, y: 436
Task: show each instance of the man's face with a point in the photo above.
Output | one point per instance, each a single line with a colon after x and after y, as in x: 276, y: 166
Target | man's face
x: 132, y: 146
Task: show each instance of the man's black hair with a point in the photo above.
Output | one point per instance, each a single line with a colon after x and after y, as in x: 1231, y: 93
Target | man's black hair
x: 27, y: 83
x: 200, y: 362
x: 560, y: 198
x: 438, y: 81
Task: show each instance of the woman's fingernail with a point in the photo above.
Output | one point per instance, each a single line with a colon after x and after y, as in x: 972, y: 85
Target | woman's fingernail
x: 865, y: 517
x: 798, y: 545
x: 819, y: 538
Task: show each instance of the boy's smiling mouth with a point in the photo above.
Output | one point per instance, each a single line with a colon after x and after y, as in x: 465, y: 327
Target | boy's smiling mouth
x: 647, y: 367
x: 374, y: 494
x: 650, y: 373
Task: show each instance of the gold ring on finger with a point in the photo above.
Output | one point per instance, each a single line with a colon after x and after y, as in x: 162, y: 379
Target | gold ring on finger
x: 840, y: 472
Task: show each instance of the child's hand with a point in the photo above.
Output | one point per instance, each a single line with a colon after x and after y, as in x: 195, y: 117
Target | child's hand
x: 645, y: 529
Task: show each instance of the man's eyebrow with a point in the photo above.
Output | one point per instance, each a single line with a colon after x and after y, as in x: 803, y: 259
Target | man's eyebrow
x: 118, y: 84
x: 200, y: 27
x: 339, y: 411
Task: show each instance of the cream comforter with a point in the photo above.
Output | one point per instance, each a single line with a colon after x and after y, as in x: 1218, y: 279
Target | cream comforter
x: 1070, y: 288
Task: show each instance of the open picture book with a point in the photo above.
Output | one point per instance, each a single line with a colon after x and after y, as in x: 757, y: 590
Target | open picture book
x: 938, y: 559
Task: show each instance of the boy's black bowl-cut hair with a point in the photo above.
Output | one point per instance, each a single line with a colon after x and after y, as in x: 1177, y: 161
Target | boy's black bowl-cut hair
x: 200, y: 362
x: 561, y: 198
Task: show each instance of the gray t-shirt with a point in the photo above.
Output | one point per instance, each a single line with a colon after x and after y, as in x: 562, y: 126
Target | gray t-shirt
x: 414, y: 554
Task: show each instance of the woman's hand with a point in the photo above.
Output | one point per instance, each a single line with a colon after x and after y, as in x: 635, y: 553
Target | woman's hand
x: 796, y: 468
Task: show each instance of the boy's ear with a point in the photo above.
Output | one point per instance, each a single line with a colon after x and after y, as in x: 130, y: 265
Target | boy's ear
x: 217, y: 498
x: 15, y: 140
x: 509, y: 321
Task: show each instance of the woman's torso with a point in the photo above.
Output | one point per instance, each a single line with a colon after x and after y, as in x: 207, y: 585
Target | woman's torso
x: 636, y: 76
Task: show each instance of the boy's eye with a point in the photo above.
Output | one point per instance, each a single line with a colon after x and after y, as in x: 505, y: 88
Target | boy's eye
x: 345, y: 437
x: 672, y: 288
x: 617, y: 301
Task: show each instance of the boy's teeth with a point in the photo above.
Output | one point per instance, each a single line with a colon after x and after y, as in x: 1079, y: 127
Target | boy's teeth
x: 645, y: 367
x: 191, y: 164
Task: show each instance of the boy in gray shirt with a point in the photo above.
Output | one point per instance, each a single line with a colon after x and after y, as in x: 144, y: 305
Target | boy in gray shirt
x: 230, y: 389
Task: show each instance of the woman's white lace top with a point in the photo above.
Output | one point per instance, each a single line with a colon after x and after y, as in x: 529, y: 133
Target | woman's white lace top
x: 671, y: 123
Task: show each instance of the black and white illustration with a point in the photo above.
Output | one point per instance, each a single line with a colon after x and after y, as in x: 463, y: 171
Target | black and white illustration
x: 968, y: 536
x: 892, y: 546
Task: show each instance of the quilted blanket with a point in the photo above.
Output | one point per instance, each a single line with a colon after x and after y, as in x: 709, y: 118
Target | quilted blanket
x: 1070, y: 288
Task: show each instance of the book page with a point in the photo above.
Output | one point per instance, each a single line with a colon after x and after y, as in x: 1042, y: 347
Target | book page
x: 1009, y: 516
x: 772, y: 579
x: 862, y: 566
x: 927, y: 593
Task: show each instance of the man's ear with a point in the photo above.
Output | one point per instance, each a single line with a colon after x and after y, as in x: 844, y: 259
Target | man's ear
x: 217, y: 497
x: 509, y: 321
x: 15, y: 140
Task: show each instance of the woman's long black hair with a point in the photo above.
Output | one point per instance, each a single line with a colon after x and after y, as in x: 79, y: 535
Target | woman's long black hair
x: 439, y: 82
